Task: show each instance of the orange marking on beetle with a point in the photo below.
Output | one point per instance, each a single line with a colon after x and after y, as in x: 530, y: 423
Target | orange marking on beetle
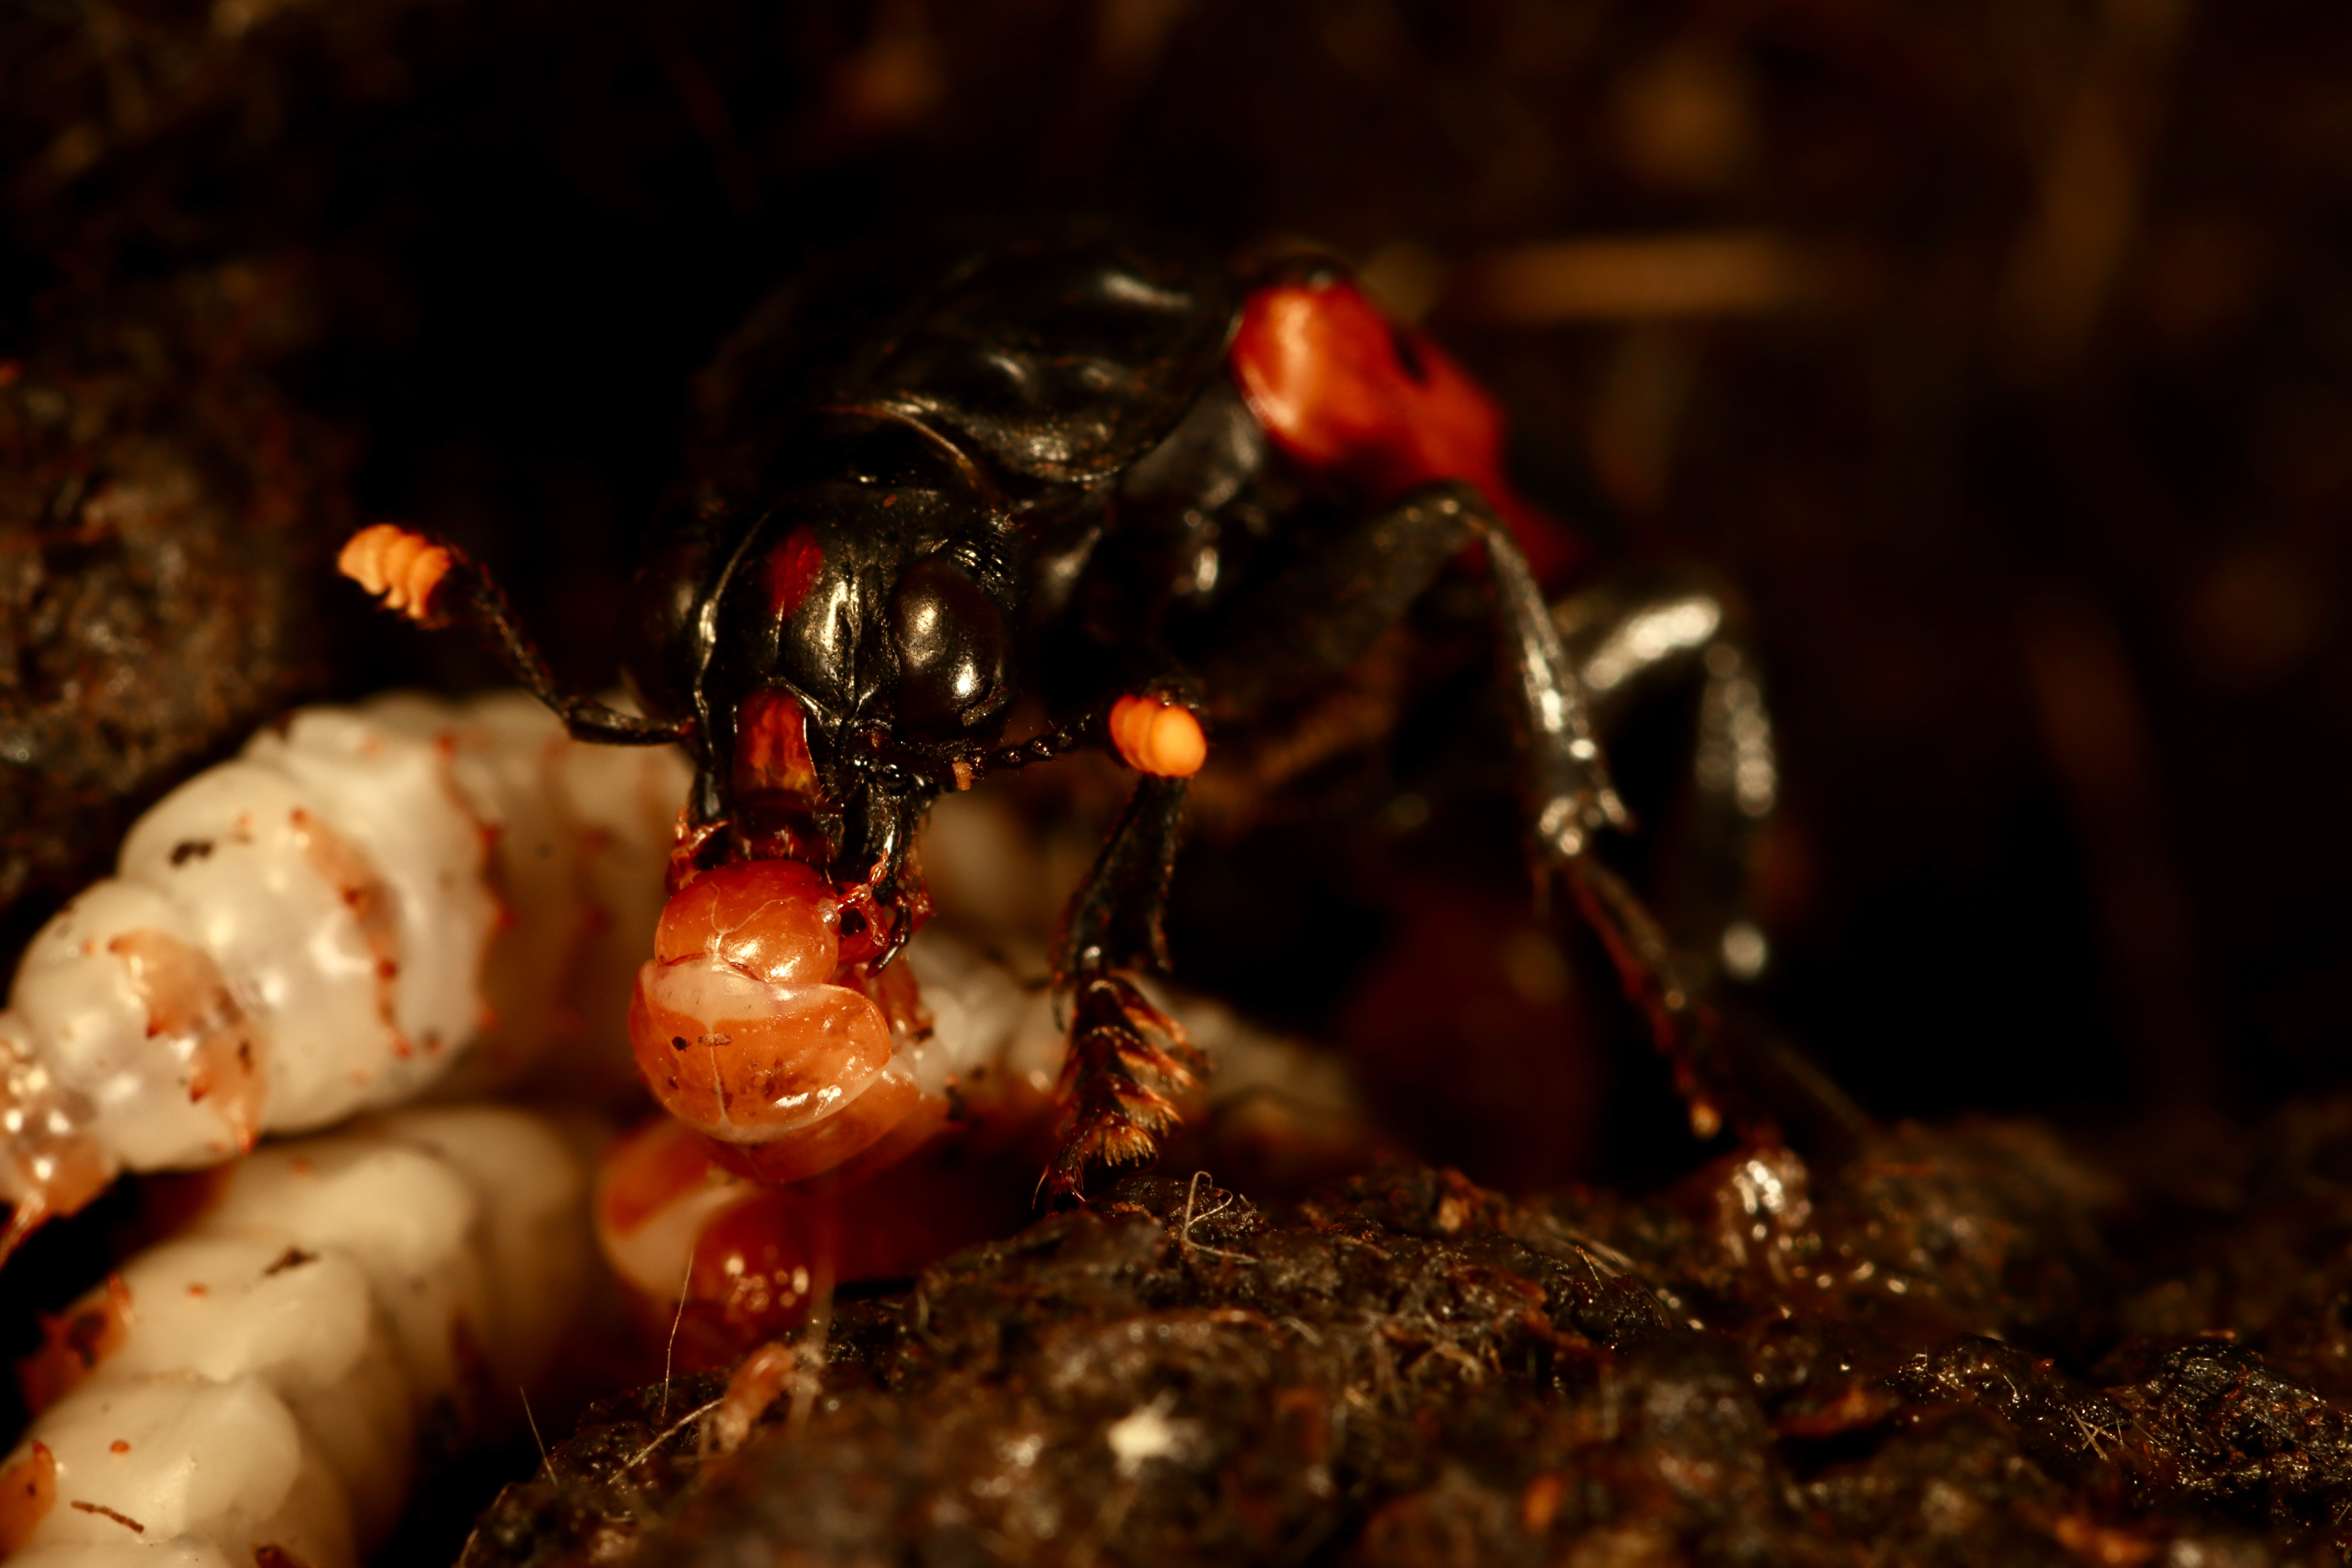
x: 1378, y: 407
x: 399, y: 566
x: 792, y: 568
x: 1156, y: 736
x: 772, y: 751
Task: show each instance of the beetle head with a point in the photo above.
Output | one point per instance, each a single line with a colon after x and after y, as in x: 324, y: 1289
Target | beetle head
x: 840, y: 658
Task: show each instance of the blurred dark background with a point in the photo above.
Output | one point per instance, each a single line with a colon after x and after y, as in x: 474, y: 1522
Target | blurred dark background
x: 2002, y: 351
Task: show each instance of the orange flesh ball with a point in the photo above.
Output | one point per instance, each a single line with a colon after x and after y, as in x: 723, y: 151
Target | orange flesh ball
x: 1158, y: 737
x: 738, y: 1031
x: 772, y: 919
x: 746, y: 1061
x: 885, y: 1103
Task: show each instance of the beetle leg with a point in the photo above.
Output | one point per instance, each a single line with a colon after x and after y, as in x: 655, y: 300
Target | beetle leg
x: 1313, y: 622
x: 1126, y: 1056
x: 1308, y: 626
x: 1637, y: 636
x: 426, y: 579
x: 1116, y: 920
x: 1647, y: 633
x: 1570, y: 798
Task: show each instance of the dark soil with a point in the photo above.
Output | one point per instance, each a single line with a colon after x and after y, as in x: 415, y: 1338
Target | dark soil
x: 1961, y: 1347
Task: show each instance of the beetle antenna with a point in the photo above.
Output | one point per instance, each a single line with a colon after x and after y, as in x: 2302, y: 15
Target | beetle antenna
x: 426, y: 578
x: 1044, y: 748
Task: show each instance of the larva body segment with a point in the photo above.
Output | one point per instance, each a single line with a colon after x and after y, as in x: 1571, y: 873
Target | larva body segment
x: 259, y: 1380
x: 277, y: 1491
x: 321, y: 927
x: 121, y: 999
x: 580, y: 836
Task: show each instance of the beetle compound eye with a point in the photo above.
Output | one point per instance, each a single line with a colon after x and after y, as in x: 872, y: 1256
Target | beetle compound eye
x: 953, y: 650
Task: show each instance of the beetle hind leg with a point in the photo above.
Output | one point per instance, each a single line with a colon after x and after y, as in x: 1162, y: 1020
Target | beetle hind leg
x: 1678, y: 632
x: 1566, y: 693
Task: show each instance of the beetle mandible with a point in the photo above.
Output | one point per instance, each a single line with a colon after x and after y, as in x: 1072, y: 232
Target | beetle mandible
x: 1166, y: 497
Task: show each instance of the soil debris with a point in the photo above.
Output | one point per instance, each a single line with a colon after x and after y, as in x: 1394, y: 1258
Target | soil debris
x: 1919, y: 1357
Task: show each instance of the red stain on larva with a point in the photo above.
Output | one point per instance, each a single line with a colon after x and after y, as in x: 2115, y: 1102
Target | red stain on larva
x: 28, y: 1490
x: 791, y: 570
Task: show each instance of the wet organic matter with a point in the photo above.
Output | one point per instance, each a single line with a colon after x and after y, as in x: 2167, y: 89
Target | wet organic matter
x: 1942, y: 1351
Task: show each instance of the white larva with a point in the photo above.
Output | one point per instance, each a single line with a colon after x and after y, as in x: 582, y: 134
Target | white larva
x: 322, y: 926
x: 261, y: 1384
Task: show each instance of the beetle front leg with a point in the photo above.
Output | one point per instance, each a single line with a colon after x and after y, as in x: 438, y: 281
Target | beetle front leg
x: 426, y: 579
x: 1126, y: 1056
x: 1308, y: 625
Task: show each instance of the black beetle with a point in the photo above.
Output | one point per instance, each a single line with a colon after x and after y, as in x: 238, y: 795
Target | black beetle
x: 1105, y: 469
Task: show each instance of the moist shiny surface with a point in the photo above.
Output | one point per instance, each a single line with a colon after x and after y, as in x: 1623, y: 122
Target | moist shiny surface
x: 744, y: 1030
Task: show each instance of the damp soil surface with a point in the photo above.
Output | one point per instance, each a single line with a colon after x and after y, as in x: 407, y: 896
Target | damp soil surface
x: 1970, y: 1343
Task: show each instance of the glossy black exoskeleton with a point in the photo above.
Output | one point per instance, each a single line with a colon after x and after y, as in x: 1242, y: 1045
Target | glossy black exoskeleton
x: 1083, y: 464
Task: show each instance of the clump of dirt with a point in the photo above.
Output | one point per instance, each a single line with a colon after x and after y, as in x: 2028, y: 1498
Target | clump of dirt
x: 1957, y: 1346
x: 164, y: 513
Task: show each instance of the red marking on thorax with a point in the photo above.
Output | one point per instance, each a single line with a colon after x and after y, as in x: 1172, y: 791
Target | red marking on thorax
x: 791, y: 570
x: 1347, y: 394
x: 771, y: 752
